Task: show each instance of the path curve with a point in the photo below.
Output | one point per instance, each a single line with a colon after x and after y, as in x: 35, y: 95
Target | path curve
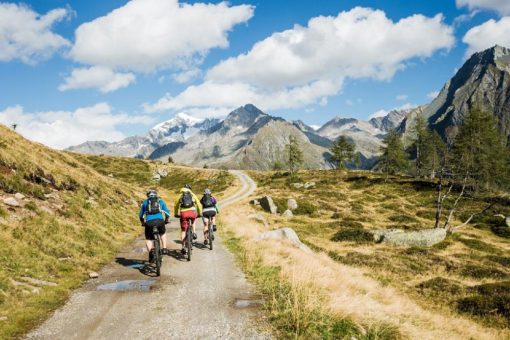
x: 210, y: 287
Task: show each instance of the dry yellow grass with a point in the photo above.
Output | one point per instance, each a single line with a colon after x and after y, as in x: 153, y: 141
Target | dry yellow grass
x: 357, y: 292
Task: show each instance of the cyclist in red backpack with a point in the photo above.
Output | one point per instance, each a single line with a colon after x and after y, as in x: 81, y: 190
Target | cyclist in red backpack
x: 187, y: 206
x: 154, y: 213
x: 209, y: 210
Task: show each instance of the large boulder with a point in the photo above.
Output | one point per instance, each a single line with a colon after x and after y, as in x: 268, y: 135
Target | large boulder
x: 284, y: 234
x: 268, y: 205
x: 421, y: 238
x: 292, y: 204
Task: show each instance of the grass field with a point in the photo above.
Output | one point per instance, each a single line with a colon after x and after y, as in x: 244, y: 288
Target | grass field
x: 466, y: 277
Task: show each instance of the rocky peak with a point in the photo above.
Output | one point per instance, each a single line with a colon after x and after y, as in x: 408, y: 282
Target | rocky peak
x: 243, y: 117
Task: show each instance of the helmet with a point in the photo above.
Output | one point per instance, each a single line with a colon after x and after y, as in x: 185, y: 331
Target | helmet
x: 152, y: 193
x: 207, y: 192
x: 187, y: 186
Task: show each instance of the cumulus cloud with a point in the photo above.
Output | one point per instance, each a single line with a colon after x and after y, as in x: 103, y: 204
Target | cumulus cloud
x: 488, y: 34
x: 60, y: 129
x: 306, y: 65
x: 97, y: 77
x: 500, y: 6
x: 145, y: 35
x: 27, y: 35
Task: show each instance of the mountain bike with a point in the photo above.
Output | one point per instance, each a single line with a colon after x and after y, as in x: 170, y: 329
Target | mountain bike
x: 210, y: 232
x: 158, y: 255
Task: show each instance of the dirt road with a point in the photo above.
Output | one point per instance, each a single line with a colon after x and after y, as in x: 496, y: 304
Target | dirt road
x: 207, y: 298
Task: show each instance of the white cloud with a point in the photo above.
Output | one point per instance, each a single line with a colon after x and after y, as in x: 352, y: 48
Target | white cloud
x: 500, y: 6
x: 488, y: 34
x: 305, y: 65
x: 97, y: 77
x: 146, y: 35
x: 187, y: 76
x: 402, y: 97
x: 26, y: 35
x: 60, y: 129
x: 433, y: 94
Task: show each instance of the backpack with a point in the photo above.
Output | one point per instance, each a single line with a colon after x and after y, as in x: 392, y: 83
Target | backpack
x: 153, y: 206
x: 187, y: 200
x: 207, y: 201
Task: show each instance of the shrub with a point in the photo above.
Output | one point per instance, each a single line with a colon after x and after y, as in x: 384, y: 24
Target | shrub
x: 304, y: 208
x: 501, y: 231
x: 504, y: 261
x: 354, y: 235
x: 31, y: 206
x: 3, y: 213
x: 440, y: 286
x: 486, y: 305
x: 479, y: 272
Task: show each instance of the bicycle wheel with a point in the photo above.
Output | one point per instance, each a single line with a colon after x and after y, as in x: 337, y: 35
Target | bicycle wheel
x: 157, y: 255
x: 189, y: 237
x: 210, y: 235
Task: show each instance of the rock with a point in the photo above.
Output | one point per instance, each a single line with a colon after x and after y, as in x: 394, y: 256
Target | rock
x: 287, y: 214
x: 53, y: 195
x: 268, y: 205
x: 421, y: 238
x: 255, y: 202
x: 308, y: 185
x: 110, y: 175
x: 19, y: 196
x: 93, y: 275
x: 258, y: 218
x: 162, y: 173
x: 47, y: 210
x: 156, y: 177
x: 292, y: 204
x: 38, y: 282
x: 11, y: 201
x: 297, y: 185
x: 3, y: 318
x: 284, y: 234
x: 507, y: 221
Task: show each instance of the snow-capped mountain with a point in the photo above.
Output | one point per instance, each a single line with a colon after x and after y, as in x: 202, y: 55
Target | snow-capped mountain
x: 176, y: 129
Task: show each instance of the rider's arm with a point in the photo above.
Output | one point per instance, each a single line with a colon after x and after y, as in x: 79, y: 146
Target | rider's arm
x: 216, y: 205
x: 165, y: 209
x: 177, y: 207
x: 141, y: 215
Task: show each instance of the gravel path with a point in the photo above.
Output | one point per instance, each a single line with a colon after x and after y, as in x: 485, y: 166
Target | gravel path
x: 207, y: 298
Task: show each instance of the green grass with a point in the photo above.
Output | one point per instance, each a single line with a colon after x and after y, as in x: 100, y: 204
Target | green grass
x: 478, y: 245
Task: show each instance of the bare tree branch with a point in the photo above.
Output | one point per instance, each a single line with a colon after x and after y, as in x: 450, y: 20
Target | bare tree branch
x: 471, y: 217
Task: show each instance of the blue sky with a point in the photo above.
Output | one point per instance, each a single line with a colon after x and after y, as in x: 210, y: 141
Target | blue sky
x: 85, y: 70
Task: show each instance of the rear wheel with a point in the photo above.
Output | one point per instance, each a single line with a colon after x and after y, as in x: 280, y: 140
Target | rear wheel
x: 210, y: 236
x: 157, y: 255
x: 189, y: 238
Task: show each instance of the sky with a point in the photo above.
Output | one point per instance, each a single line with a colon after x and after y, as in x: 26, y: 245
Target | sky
x: 73, y: 71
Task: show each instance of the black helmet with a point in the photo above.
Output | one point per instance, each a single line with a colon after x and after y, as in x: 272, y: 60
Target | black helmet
x: 152, y: 193
x: 187, y: 186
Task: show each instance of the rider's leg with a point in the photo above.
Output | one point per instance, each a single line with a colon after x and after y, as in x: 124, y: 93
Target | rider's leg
x: 149, y: 244
x: 163, y: 240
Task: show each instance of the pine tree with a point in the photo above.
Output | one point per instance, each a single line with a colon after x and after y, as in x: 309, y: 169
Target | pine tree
x: 480, y: 153
x: 342, y: 151
x: 294, y: 154
x: 422, y: 146
x: 394, y: 158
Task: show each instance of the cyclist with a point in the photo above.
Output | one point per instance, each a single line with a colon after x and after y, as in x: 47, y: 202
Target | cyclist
x: 209, y: 210
x: 187, y: 206
x: 154, y: 213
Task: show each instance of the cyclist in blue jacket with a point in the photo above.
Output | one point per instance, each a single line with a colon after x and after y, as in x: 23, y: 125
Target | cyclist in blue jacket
x: 154, y: 213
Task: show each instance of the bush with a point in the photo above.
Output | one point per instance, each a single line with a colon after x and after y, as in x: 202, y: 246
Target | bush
x: 479, y: 272
x: 354, y: 235
x: 486, y: 305
x: 504, y: 261
x: 31, y: 206
x: 501, y: 231
x: 440, y: 286
x: 304, y: 208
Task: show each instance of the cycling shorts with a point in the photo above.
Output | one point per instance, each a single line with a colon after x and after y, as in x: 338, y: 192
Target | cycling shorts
x: 184, y: 218
x: 154, y: 223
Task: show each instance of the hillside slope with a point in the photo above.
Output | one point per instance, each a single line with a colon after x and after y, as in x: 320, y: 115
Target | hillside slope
x: 63, y: 215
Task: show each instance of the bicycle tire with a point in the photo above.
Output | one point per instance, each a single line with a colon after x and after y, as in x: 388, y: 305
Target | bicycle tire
x: 210, y: 235
x: 189, y: 237
x: 157, y: 255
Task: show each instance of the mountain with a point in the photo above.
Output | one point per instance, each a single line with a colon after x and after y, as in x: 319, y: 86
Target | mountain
x: 483, y: 82
x: 389, y: 121
x: 248, y: 139
x: 174, y: 130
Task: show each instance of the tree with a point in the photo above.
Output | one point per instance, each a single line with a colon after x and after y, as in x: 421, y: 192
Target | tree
x: 480, y: 152
x: 170, y: 159
x: 342, y: 151
x: 422, y: 145
x: 294, y: 154
x: 14, y: 126
x: 277, y: 166
x: 394, y: 158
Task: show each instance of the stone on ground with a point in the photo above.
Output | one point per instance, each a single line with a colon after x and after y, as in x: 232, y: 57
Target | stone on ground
x: 11, y: 201
x: 288, y: 214
x: 421, y: 238
x: 93, y: 275
x: 292, y: 204
x: 268, y: 205
x: 297, y: 185
x: 284, y: 234
x: 507, y: 221
x: 19, y: 196
x: 308, y: 185
x: 258, y: 218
